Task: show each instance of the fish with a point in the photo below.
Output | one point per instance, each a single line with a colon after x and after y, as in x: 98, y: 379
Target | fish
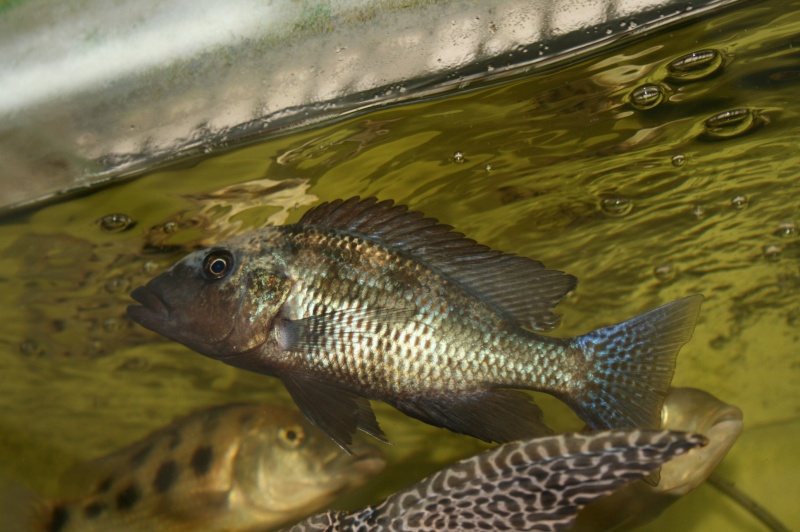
x: 233, y: 467
x: 537, y: 484
x: 685, y: 409
x: 364, y: 299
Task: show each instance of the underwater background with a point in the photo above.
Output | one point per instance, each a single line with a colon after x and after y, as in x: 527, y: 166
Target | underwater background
x: 665, y: 168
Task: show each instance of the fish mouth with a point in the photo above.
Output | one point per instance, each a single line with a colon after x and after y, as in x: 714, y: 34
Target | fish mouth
x: 153, y: 311
x: 341, y: 472
x: 368, y: 460
x: 156, y: 314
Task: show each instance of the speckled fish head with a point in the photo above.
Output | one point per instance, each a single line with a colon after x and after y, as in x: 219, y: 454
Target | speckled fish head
x: 294, y: 466
x: 219, y: 301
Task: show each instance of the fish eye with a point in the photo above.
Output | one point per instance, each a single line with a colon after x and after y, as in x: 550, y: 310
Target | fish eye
x: 218, y: 264
x: 292, y: 436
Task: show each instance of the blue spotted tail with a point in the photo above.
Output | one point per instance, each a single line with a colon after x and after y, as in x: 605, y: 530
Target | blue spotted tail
x: 631, y: 366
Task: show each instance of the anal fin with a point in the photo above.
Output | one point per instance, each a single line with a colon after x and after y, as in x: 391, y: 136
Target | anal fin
x: 490, y: 415
x: 337, y: 412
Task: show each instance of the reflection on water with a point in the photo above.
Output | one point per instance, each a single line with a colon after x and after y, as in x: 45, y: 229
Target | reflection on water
x: 660, y: 170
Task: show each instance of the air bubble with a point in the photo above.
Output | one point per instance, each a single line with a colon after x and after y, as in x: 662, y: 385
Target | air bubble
x: 786, y: 230
x: 772, y: 252
x: 740, y: 202
x: 115, y: 223
x: 30, y: 348
x: 170, y: 227
x: 699, y: 212
x: 646, y: 97
x: 134, y: 364
x: 111, y: 325
x: 731, y: 123
x: 488, y: 168
x: 616, y: 206
x: 458, y: 157
x: 117, y: 285
x: 149, y: 267
x: 696, y: 65
x: 94, y: 349
x: 664, y: 273
x: 678, y: 160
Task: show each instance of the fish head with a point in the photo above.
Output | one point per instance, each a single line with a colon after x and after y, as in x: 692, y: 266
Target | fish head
x: 220, y: 301
x: 693, y: 410
x: 294, y: 468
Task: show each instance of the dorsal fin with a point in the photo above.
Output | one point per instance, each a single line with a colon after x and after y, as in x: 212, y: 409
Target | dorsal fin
x: 519, y: 288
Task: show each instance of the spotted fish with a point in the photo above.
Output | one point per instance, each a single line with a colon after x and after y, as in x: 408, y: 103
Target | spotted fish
x: 238, y: 467
x: 685, y: 409
x: 538, y: 484
x: 364, y: 299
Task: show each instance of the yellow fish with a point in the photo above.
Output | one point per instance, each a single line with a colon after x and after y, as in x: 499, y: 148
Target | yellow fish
x: 237, y: 467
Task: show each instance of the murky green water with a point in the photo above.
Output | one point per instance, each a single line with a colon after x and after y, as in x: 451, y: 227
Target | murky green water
x: 692, y: 187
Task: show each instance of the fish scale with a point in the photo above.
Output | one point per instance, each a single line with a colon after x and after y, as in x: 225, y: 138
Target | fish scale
x: 364, y: 299
x: 402, y: 343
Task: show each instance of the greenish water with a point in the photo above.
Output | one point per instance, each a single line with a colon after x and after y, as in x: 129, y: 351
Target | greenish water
x: 699, y: 193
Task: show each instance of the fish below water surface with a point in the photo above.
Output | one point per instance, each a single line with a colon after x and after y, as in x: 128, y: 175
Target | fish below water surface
x: 685, y: 409
x: 364, y: 299
x: 538, y: 484
x: 236, y: 467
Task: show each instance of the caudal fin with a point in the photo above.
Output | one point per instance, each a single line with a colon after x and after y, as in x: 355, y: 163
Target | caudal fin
x: 631, y: 366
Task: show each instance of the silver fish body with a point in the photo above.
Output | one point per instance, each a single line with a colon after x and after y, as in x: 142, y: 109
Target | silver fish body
x: 236, y: 467
x: 538, y: 484
x: 367, y: 300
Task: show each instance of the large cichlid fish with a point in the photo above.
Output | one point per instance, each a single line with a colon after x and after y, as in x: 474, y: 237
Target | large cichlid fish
x: 538, y: 484
x: 367, y: 300
x: 234, y: 467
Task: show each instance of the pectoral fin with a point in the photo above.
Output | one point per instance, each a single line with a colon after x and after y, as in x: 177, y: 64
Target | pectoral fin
x: 334, y: 410
x: 490, y: 415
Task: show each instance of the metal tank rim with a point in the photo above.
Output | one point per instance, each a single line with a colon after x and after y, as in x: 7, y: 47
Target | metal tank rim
x: 93, y: 92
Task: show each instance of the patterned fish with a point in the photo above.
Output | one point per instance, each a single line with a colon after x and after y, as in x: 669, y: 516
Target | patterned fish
x: 238, y: 467
x: 685, y: 409
x: 538, y: 484
x: 364, y: 299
